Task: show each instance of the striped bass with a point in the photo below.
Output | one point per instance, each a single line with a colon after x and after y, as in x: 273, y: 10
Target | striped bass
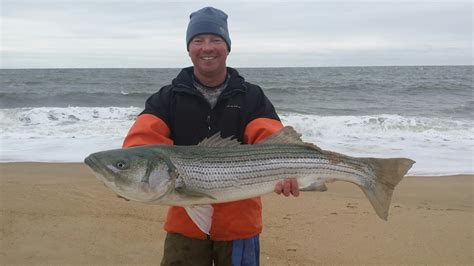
x: 222, y: 170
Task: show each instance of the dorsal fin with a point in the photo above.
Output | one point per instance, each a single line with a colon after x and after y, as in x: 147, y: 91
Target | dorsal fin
x: 288, y: 135
x: 217, y: 141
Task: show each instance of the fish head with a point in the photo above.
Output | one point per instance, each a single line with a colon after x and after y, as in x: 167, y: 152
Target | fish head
x: 133, y: 173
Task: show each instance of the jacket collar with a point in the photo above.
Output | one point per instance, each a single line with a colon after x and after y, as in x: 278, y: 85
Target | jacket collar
x: 184, y: 82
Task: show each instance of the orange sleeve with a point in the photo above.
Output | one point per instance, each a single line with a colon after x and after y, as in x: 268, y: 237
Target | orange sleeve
x: 147, y: 129
x: 259, y: 129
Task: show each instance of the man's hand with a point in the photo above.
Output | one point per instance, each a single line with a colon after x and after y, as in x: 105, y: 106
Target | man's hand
x: 287, y: 187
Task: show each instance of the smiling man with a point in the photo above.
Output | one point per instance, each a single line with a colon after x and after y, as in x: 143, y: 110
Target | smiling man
x: 202, y: 100
x: 208, y: 53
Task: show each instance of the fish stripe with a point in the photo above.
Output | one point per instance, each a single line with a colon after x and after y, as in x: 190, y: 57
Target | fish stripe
x: 212, y: 174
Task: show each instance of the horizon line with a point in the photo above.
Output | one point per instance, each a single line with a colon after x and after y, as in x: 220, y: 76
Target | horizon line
x: 46, y: 68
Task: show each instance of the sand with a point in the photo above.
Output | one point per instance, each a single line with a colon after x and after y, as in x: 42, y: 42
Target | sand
x: 61, y: 214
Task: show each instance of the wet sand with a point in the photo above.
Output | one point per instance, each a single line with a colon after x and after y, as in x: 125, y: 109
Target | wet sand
x: 60, y: 214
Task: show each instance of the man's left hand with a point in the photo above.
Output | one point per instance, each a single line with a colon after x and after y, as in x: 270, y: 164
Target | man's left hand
x: 287, y: 187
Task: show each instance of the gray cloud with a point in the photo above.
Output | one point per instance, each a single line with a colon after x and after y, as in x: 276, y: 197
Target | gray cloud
x: 270, y: 33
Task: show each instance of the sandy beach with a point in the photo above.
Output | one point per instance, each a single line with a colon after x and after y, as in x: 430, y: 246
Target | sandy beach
x: 61, y: 214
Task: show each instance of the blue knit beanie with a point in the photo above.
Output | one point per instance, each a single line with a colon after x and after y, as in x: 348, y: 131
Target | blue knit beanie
x: 208, y: 20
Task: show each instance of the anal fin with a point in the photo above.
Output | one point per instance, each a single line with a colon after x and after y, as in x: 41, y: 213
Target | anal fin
x: 201, y: 215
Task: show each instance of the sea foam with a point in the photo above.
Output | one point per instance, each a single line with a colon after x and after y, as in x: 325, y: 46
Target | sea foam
x: 46, y: 134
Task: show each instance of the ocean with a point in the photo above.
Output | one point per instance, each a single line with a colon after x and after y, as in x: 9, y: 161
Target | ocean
x: 421, y: 112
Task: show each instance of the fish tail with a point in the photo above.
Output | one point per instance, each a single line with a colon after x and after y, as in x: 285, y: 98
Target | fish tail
x: 388, y: 173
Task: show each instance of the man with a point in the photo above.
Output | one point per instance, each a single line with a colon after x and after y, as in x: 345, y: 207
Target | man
x: 201, y: 101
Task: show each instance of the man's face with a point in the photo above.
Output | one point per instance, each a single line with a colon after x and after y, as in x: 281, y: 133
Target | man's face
x: 208, y: 53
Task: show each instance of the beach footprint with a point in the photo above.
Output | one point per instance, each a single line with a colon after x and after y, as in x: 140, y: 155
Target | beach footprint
x: 352, y: 205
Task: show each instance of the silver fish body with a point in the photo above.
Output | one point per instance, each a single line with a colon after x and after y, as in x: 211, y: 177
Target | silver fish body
x: 221, y: 170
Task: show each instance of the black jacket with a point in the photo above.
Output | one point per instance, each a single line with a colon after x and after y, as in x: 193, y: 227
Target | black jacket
x: 190, y: 118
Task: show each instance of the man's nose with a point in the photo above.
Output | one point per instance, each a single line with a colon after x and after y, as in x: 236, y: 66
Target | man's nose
x: 207, y: 45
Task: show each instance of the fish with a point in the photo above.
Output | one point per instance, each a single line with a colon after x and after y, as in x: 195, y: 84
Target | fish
x: 221, y: 170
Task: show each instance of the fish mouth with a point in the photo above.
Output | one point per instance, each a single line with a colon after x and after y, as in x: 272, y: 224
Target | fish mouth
x: 94, y: 164
x: 89, y: 160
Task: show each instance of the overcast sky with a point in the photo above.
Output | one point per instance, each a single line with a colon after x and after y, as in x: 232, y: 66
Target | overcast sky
x: 138, y: 33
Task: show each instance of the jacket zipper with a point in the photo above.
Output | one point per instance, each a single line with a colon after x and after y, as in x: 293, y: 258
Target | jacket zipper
x: 208, y: 119
x: 208, y: 125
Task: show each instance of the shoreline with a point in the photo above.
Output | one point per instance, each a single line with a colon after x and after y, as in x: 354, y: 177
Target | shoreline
x: 59, y: 213
x: 460, y: 173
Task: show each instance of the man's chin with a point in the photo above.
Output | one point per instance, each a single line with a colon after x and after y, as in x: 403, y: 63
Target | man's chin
x: 209, y: 70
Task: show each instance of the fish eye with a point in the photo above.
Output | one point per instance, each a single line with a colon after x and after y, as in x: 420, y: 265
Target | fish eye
x: 122, y: 165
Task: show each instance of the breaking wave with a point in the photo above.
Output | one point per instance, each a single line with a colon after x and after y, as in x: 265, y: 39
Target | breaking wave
x: 439, y: 145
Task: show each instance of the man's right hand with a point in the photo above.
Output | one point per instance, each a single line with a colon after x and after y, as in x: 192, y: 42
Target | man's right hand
x: 287, y: 187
